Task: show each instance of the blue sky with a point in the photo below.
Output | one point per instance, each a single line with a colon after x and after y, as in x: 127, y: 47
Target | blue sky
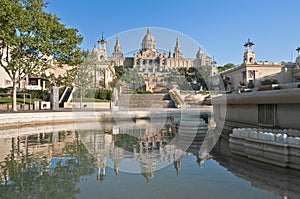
x: 221, y: 27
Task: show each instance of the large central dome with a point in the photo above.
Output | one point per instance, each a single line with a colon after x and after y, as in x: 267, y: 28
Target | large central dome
x: 149, y: 42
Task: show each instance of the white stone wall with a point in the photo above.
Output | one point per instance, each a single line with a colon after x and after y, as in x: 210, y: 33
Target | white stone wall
x: 5, y: 80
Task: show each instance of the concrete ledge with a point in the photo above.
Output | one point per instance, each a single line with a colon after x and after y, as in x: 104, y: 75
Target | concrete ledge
x: 288, y: 96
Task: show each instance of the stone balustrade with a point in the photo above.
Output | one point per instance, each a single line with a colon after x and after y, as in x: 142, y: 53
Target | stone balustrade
x: 272, y: 146
x: 286, y: 136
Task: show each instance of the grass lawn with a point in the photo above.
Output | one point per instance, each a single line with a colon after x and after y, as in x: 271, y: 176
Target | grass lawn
x: 8, y: 100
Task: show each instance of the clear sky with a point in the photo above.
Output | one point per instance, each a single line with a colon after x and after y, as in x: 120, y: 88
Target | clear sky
x: 221, y: 27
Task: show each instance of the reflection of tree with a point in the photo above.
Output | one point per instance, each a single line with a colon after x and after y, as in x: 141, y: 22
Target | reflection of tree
x: 126, y: 141
x: 36, y: 177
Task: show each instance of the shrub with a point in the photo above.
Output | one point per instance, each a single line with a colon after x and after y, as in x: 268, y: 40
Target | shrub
x: 37, y: 94
x: 269, y: 82
x: 103, y: 94
x: 142, y: 92
x: 4, y: 90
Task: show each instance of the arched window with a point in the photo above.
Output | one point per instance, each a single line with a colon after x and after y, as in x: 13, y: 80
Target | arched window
x: 251, y: 59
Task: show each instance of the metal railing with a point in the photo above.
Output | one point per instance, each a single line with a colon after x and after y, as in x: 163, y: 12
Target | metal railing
x: 18, y: 94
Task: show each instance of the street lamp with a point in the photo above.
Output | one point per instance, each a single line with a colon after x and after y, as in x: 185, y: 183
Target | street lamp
x: 79, y: 76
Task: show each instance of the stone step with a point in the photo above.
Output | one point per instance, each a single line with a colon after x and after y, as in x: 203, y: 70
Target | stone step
x: 145, y: 101
x: 163, y: 104
x: 144, y: 96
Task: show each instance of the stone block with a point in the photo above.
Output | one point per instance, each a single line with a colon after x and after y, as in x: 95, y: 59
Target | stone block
x: 261, y: 136
x: 253, y: 134
x: 234, y: 131
x: 266, y: 136
x: 272, y: 137
x: 285, y: 138
x: 290, y: 140
x: 279, y: 138
x: 297, y: 141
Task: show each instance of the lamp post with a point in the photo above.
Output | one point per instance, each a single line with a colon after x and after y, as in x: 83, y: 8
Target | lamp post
x: 79, y: 76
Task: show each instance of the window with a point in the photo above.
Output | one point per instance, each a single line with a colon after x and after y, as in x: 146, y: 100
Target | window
x: 266, y: 114
x: 244, y: 76
x: 251, y: 74
x: 33, y: 82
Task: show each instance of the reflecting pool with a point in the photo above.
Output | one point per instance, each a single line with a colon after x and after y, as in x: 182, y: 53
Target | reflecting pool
x: 143, y: 160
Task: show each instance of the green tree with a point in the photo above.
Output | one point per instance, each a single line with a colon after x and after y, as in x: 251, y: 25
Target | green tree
x: 225, y: 67
x: 132, y: 77
x: 30, y: 39
x: 86, y: 78
x: 195, y: 77
x: 120, y: 71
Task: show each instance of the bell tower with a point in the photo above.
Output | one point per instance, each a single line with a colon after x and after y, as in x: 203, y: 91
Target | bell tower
x: 117, y: 49
x: 177, y: 50
x: 102, y: 49
x: 249, y: 55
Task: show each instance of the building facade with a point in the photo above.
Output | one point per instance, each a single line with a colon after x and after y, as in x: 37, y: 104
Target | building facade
x: 152, y: 64
x: 252, y: 73
x: 104, y: 71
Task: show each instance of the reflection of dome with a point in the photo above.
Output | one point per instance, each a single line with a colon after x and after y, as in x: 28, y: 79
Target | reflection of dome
x: 148, y: 41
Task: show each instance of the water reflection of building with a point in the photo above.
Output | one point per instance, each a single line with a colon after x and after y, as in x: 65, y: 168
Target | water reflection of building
x: 275, y: 180
x: 40, y: 150
x: 146, y: 145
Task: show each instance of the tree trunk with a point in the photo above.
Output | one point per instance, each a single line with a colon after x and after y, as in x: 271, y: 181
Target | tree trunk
x: 14, y: 97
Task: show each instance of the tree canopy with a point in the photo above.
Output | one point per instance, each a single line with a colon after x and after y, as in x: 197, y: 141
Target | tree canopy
x: 32, y: 39
x: 225, y: 67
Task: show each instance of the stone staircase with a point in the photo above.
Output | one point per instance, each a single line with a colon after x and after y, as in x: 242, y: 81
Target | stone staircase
x: 159, y: 88
x: 145, y: 100
x: 127, y: 88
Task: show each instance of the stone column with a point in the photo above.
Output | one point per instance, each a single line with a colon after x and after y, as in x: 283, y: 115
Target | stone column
x: 44, y: 85
x: 39, y: 82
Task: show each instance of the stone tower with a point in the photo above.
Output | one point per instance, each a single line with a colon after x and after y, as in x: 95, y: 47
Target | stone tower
x: 200, y: 54
x: 249, y: 55
x: 177, y: 50
x: 117, y: 49
x: 102, y: 49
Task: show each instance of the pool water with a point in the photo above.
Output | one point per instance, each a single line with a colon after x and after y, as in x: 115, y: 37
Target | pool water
x: 134, y: 163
